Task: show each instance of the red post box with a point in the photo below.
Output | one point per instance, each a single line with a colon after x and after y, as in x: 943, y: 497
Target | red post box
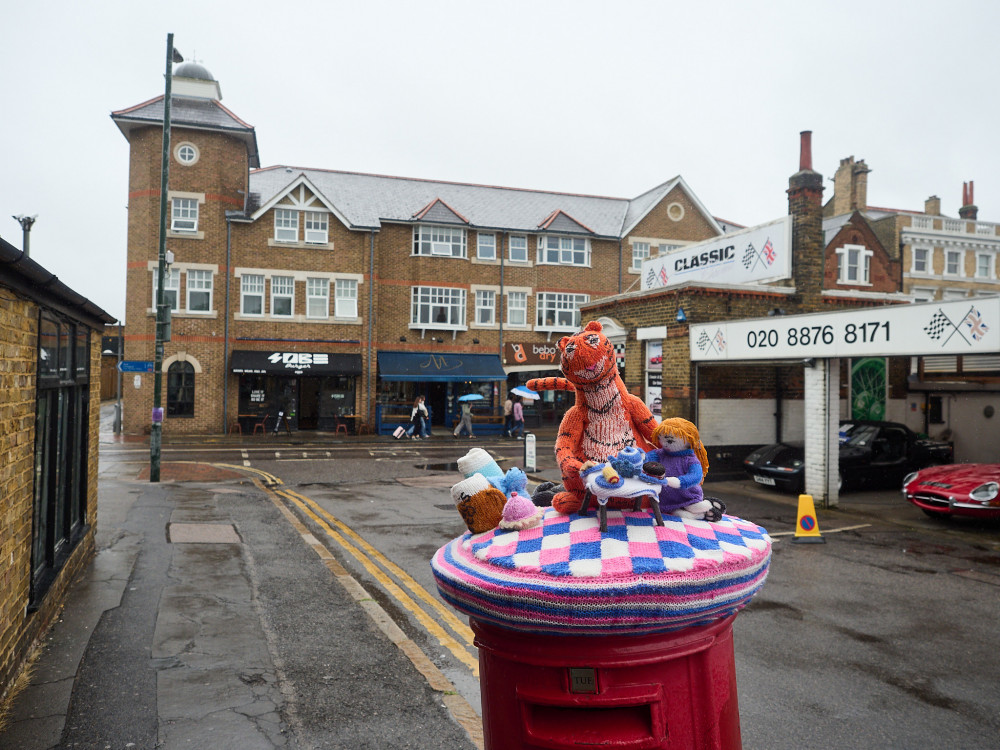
x: 673, y: 690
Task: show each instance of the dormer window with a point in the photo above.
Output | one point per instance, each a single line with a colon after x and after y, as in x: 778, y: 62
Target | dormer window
x: 854, y: 265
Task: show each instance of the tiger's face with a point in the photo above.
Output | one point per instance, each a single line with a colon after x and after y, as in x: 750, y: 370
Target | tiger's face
x: 587, y: 357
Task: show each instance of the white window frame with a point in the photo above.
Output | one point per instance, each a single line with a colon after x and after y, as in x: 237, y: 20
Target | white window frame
x: 252, y: 285
x: 640, y: 252
x: 199, y: 281
x: 517, y: 302
x: 317, y: 228
x: 486, y: 246
x: 184, y: 215
x: 990, y: 259
x: 862, y: 266
x: 954, y: 294
x: 317, y: 294
x: 345, y: 298
x: 171, y: 286
x: 186, y: 153
x: 563, y: 251
x: 520, y: 242
x: 286, y: 225
x: 426, y: 302
x: 486, y: 307
x: 565, y: 309
x: 923, y: 293
x: 928, y: 260
x: 439, y: 241
x: 282, y: 288
x: 959, y: 264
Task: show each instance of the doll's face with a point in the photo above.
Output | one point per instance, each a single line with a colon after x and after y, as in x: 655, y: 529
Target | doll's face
x: 673, y: 443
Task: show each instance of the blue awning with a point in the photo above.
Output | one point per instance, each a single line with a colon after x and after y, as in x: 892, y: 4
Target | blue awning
x: 435, y: 366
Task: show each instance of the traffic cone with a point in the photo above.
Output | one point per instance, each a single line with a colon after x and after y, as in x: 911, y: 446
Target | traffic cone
x: 806, y: 525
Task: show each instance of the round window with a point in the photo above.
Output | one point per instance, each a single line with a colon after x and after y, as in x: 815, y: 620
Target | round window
x: 675, y: 211
x: 186, y: 153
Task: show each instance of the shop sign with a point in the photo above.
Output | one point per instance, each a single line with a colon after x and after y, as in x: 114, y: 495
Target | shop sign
x: 761, y: 253
x: 298, y: 360
x: 531, y: 353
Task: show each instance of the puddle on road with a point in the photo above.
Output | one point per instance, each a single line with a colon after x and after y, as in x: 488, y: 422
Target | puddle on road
x: 453, y: 466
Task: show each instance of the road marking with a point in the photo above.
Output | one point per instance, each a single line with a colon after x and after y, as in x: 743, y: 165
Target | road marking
x: 269, y: 479
x: 457, y: 649
x: 277, y: 455
x: 828, y: 531
x: 246, y: 457
x: 463, y: 713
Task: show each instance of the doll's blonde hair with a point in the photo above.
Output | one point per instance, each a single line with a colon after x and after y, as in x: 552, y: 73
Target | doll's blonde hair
x: 686, y: 431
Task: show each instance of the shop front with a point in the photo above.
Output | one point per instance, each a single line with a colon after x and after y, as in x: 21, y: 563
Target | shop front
x: 297, y: 390
x: 441, y: 378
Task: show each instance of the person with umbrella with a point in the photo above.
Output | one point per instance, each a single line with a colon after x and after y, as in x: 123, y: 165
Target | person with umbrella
x: 518, y: 414
x: 465, y: 423
x: 508, y: 417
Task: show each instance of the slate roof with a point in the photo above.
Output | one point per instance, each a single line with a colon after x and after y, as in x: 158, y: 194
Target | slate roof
x: 365, y: 201
x: 208, y: 114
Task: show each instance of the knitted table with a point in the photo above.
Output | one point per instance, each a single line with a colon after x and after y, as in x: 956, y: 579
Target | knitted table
x: 565, y: 577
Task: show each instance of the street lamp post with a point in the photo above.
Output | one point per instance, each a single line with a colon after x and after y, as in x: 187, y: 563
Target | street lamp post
x: 25, y: 222
x: 162, y: 321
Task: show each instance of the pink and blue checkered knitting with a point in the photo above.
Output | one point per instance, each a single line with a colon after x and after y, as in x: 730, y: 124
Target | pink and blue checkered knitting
x: 565, y: 577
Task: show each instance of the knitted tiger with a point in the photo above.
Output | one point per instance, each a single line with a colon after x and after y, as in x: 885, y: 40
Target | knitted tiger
x: 605, y: 417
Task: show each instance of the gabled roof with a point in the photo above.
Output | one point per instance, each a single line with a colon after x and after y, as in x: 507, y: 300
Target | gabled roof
x: 185, y: 112
x: 366, y: 201
x: 256, y: 211
x: 642, y: 205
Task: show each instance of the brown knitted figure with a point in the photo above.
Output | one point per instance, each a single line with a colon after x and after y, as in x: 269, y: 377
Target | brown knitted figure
x: 604, y: 419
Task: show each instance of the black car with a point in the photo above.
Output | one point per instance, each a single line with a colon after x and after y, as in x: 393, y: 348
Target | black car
x: 871, y: 454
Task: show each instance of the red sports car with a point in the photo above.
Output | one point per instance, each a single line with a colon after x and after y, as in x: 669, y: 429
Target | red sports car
x: 956, y: 490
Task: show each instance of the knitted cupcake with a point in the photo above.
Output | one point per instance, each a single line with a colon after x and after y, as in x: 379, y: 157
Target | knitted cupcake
x: 520, y: 513
x: 480, y: 504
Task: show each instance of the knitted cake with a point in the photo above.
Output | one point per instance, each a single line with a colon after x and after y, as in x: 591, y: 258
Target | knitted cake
x: 564, y: 577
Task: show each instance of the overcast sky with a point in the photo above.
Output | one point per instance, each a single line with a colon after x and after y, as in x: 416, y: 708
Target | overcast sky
x: 606, y: 98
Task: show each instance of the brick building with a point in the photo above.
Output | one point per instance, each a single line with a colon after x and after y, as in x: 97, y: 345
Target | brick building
x: 49, y: 416
x: 336, y: 297
x: 740, y: 407
x: 932, y: 257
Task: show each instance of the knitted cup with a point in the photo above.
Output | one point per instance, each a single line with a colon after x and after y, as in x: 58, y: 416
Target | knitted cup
x: 478, y: 461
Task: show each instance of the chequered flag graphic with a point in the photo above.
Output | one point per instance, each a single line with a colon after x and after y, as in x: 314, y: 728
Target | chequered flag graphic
x: 937, y: 326
x: 749, y: 256
x: 651, y: 278
x: 703, y: 341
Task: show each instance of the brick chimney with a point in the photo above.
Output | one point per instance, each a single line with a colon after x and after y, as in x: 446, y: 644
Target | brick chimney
x: 932, y: 206
x: 805, y: 206
x: 850, y: 187
x: 969, y: 210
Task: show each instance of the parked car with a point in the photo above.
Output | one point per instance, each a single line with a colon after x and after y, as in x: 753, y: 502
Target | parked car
x: 956, y: 490
x: 871, y: 453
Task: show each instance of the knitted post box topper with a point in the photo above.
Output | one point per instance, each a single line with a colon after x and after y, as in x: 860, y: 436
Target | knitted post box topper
x: 685, y: 463
x: 605, y: 417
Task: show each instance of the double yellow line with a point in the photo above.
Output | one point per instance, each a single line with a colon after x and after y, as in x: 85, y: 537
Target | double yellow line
x: 382, y: 570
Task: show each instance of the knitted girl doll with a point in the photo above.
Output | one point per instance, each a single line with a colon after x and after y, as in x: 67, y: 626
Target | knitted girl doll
x: 685, y: 462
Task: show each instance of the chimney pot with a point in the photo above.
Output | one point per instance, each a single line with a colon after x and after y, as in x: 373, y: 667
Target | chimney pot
x: 972, y: 200
x: 805, y: 150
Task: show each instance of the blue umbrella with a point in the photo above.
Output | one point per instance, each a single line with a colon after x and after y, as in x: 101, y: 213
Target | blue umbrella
x: 470, y: 397
x: 525, y: 392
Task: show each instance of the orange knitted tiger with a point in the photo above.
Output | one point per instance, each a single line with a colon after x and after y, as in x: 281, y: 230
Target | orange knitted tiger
x: 605, y: 417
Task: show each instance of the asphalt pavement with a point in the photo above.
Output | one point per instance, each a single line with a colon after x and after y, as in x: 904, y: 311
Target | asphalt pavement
x: 205, y: 622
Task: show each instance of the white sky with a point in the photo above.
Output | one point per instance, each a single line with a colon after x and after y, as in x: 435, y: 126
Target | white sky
x: 608, y: 98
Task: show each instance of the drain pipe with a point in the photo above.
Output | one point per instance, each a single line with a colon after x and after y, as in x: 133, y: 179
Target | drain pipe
x: 371, y: 324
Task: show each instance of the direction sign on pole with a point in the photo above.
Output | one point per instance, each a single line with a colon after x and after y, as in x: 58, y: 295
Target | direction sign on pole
x: 135, y: 365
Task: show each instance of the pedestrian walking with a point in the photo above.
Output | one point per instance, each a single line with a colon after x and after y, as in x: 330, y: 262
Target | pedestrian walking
x: 518, y: 414
x: 418, y: 420
x: 508, y: 417
x: 465, y: 423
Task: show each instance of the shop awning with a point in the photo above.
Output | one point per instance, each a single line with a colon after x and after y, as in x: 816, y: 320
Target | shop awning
x: 294, y: 363
x: 432, y: 366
